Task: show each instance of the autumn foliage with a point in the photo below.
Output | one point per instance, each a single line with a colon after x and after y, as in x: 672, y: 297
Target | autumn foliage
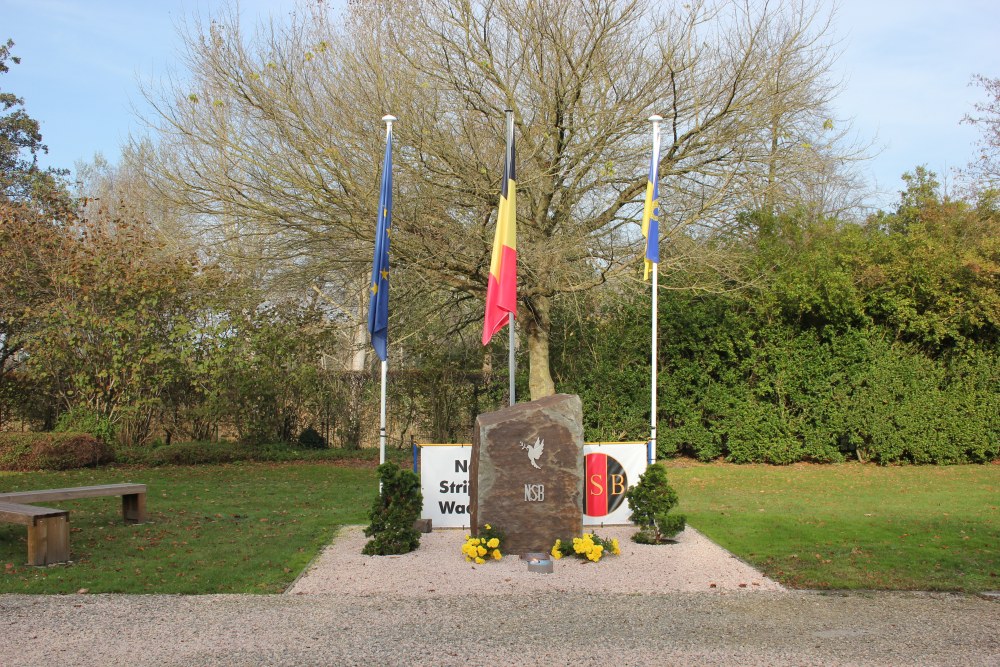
x: 51, y: 451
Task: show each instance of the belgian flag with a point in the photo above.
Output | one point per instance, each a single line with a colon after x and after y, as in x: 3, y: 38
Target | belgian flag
x: 501, y: 288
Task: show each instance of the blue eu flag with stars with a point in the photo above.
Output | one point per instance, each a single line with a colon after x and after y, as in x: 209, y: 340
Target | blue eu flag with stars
x: 378, y: 308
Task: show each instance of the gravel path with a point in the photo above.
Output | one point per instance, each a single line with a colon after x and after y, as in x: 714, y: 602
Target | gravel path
x: 536, y: 629
x: 437, y: 568
x: 572, y: 620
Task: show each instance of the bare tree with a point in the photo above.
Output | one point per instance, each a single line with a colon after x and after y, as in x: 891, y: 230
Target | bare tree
x: 274, y: 140
x: 984, y: 171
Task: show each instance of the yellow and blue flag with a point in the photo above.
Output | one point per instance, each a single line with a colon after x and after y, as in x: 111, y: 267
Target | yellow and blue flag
x: 378, y: 307
x: 651, y: 212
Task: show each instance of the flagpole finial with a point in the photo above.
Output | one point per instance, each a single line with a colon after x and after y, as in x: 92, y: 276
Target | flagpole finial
x: 388, y: 118
x: 655, y: 118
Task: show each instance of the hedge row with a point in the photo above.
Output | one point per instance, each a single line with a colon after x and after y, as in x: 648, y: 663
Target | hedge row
x: 51, y: 451
x: 748, y: 391
x: 64, y: 451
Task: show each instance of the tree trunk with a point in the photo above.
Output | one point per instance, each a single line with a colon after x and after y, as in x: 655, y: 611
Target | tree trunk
x: 537, y: 324
x: 359, y: 333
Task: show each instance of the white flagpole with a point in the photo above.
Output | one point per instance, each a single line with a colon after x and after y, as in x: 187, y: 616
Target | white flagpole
x: 655, y: 120
x: 381, y: 430
x: 387, y: 119
x: 511, y: 360
x: 652, y: 430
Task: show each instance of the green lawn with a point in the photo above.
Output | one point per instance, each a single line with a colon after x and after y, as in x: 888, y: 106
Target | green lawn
x: 235, y: 528
x: 852, y: 525
x: 253, y: 527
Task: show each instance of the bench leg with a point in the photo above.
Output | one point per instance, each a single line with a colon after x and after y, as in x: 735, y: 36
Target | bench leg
x: 48, y: 541
x: 134, y: 508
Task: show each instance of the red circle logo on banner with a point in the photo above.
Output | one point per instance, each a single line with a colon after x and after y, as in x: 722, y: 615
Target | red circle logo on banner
x: 606, y: 484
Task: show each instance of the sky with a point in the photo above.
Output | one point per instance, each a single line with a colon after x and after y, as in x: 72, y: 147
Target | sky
x: 905, y: 68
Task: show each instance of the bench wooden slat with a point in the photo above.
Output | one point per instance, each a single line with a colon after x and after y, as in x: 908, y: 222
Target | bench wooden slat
x: 49, y: 495
x: 48, y: 529
x: 27, y: 515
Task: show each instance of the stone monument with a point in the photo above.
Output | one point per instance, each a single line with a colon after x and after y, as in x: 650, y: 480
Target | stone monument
x: 526, y: 474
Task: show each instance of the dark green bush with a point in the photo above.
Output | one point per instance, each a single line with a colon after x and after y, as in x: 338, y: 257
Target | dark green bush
x: 651, y: 501
x: 51, y: 451
x: 311, y: 439
x: 743, y: 382
x: 196, y: 453
x: 394, y: 512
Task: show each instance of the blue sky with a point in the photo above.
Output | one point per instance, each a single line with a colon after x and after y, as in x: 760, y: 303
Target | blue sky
x: 905, y: 65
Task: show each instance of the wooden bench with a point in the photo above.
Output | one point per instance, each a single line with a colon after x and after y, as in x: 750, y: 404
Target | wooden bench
x: 133, y: 497
x: 48, y: 529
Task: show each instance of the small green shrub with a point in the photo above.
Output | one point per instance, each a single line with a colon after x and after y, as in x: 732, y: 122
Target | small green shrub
x: 80, y: 419
x: 393, y: 513
x: 51, y: 451
x: 651, y: 501
x: 311, y: 439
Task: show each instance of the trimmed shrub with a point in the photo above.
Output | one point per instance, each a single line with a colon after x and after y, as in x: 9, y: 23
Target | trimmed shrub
x: 195, y: 453
x: 651, y: 501
x: 51, y: 451
x: 394, y: 512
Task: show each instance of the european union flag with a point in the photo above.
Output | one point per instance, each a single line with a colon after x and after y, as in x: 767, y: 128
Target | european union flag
x: 378, y: 307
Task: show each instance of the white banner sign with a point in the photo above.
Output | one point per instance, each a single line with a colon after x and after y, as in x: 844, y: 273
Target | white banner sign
x: 610, y: 469
x: 444, y: 481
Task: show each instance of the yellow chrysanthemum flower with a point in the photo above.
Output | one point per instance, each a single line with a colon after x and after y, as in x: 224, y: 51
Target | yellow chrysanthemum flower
x: 481, y: 551
x: 496, y: 554
x: 479, y: 561
x: 615, y: 549
x: 493, y: 543
x: 488, y: 527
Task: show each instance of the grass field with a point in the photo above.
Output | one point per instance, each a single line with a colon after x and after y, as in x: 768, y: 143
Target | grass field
x: 852, y: 526
x: 253, y: 527
x: 235, y: 528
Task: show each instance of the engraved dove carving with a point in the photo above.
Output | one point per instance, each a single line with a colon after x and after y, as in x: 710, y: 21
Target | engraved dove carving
x: 534, y: 451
